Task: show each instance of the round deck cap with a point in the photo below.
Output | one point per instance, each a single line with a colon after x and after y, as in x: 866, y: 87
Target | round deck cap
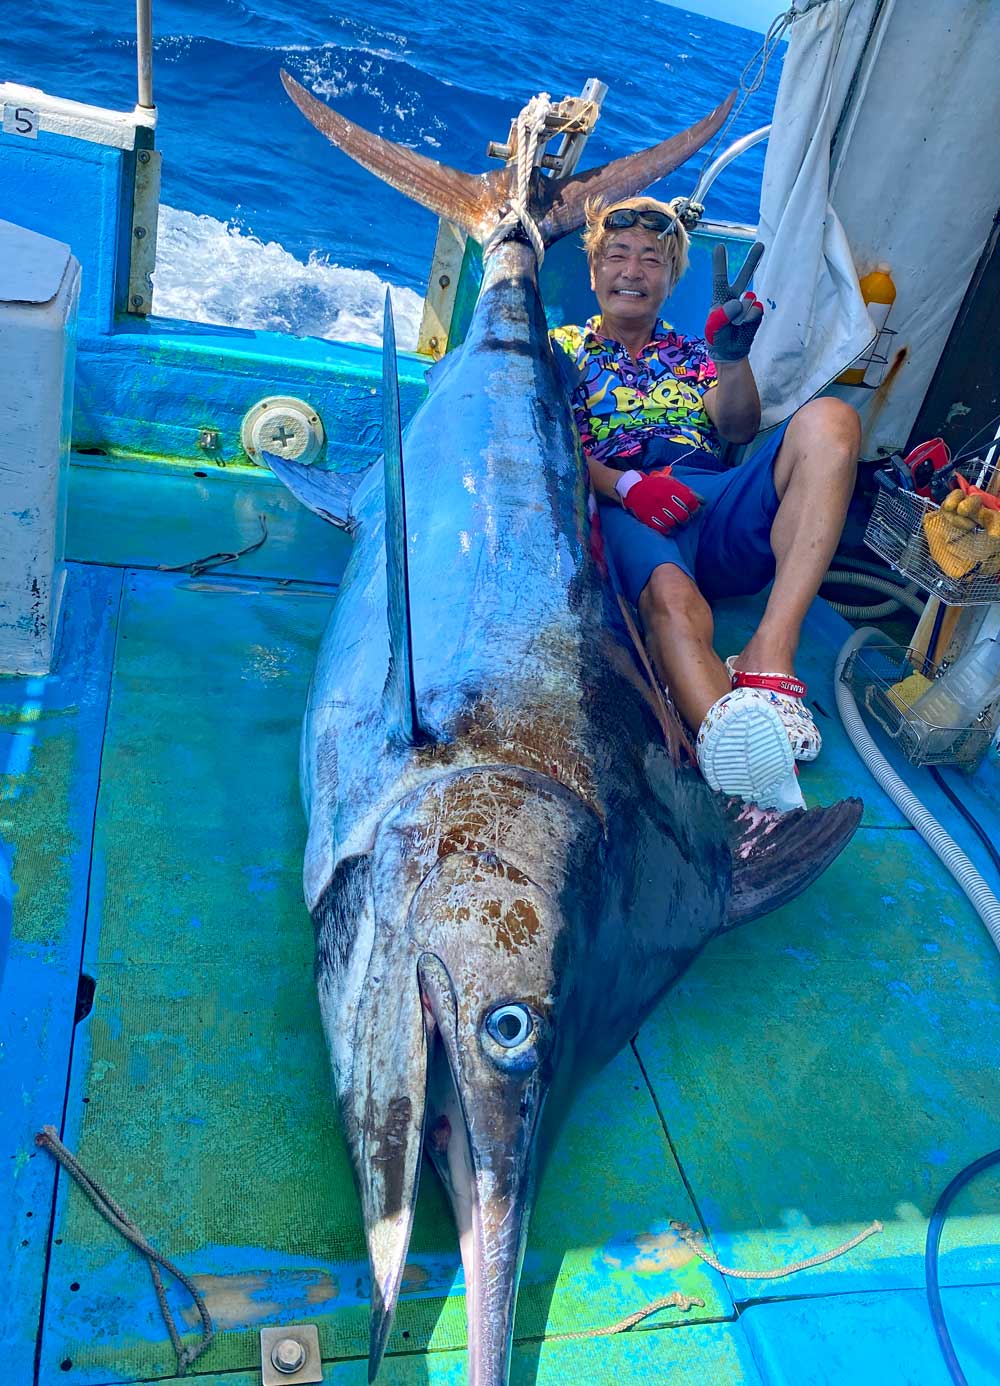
x: 283, y: 426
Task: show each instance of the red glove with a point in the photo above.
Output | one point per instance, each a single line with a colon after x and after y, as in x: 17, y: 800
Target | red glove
x: 657, y: 498
x: 732, y: 324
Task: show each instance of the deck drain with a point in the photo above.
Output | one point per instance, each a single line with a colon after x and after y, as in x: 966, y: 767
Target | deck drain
x: 85, y: 989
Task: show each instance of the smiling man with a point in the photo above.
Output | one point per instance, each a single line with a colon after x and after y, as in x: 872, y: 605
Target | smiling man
x: 680, y: 529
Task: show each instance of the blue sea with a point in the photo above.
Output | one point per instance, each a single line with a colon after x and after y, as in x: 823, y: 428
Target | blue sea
x: 266, y: 225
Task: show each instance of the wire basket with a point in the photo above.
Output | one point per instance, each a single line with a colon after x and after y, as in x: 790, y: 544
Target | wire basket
x: 897, y: 532
x: 876, y: 674
x: 876, y: 362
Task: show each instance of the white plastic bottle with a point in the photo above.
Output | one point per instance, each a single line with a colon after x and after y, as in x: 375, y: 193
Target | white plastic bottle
x: 879, y: 294
x: 955, y: 700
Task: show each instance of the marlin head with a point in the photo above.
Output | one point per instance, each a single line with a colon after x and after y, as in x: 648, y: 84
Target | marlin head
x: 481, y: 885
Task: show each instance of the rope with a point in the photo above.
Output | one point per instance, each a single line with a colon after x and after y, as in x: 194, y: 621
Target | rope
x: 749, y: 83
x: 692, y: 1241
x: 530, y: 126
x: 48, y: 1139
x: 673, y: 1301
x: 686, y: 1302
x: 216, y: 560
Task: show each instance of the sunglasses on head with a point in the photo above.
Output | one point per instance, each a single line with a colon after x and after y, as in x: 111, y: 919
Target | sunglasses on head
x: 663, y: 223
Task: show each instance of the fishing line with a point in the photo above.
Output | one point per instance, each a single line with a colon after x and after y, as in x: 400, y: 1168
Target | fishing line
x: 967, y: 450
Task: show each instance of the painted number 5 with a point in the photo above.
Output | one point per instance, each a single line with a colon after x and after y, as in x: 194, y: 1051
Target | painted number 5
x: 20, y: 120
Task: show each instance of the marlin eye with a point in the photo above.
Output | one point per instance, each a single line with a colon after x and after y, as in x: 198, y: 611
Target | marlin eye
x: 509, y: 1025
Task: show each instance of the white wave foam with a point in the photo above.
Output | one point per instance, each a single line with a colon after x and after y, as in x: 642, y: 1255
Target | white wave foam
x: 210, y: 271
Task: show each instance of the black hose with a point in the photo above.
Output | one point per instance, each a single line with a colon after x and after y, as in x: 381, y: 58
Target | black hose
x: 961, y: 1179
x: 973, y: 823
x: 934, y: 1230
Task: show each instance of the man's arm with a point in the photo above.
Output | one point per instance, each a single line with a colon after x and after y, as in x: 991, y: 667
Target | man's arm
x: 733, y: 404
x: 603, y: 480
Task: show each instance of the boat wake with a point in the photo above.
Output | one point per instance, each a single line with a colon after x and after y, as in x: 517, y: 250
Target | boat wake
x: 210, y: 271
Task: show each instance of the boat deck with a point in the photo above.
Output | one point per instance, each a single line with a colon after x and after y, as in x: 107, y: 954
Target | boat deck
x: 832, y: 1064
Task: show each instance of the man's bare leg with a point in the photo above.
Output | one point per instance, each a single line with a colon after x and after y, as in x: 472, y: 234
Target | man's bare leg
x: 678, y: 625
x: 814, y: 475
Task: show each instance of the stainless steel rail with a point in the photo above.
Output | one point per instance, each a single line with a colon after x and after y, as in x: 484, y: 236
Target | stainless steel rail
x: 727, y: 156
x: 144, y: 51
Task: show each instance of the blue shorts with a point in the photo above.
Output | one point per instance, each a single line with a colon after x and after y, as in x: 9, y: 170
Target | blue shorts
x: 725, y: 549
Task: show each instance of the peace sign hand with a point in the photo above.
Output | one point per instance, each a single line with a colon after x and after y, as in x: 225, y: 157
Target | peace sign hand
x: 735, y: 315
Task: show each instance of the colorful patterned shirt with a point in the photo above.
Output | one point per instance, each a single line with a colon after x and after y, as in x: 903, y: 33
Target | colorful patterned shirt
x: 620, y: 404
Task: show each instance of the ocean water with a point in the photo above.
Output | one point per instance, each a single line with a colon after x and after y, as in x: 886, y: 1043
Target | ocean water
x: 264, y: 224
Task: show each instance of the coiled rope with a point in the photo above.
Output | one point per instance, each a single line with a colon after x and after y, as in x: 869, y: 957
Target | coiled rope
x: 530, y: 126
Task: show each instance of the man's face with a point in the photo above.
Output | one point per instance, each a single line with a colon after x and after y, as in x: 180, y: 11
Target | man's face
x: 630, y: 277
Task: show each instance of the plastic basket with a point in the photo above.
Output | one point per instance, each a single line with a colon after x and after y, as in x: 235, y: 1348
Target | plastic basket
x: 873, y: 672
x: 896, y: 532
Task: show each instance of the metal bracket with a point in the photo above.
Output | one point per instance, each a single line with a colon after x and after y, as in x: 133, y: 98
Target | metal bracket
x: 290, y: 1356
x: 442, y: 289
x: 578, y: 129
x: 574, y: 118
x: 145, y: 216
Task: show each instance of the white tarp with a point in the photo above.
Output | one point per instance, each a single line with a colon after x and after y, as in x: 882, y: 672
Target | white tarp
x: 914, y: 183
x: 817, y: 321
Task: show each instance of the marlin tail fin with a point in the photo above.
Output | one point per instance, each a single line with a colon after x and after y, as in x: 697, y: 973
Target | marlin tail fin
x: 477, y: 203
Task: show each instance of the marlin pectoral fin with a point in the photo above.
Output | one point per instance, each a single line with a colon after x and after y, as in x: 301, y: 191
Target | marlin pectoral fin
x: 386, y: 1112
x: 326, y: 494
x: 776, y: 856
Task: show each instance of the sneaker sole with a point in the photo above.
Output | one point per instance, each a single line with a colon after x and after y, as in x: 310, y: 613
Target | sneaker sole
x: 747, y: 753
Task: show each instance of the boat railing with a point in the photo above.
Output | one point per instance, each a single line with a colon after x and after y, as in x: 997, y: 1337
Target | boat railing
x: 711, y: 173
x: 144, y: 51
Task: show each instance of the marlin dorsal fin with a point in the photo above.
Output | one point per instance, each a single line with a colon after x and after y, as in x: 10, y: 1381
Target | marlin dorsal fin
x: 400, y: 689
x: 777, y: 855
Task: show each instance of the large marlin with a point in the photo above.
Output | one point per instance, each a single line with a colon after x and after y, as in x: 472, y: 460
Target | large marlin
x: 508, y: 861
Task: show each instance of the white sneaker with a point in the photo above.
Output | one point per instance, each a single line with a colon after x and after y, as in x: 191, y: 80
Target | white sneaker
x: 787, y: 694
x: 743, y: 750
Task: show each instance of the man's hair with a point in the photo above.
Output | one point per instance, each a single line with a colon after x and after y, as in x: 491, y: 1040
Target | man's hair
x: 674, y: 244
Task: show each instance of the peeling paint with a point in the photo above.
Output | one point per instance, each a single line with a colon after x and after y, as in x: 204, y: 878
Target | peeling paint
x: 649, y: 1254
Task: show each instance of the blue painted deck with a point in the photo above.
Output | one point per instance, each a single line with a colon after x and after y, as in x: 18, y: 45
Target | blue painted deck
x: 829, y: 1065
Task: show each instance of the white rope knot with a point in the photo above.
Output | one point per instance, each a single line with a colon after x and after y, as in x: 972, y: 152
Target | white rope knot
x: 530, y: 125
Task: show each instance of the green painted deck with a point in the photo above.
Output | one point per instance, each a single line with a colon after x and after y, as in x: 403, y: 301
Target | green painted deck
x: 831, y: 1064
